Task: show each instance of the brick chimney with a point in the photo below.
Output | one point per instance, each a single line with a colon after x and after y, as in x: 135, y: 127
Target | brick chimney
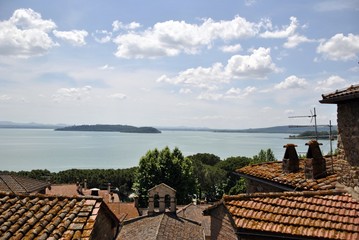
x: 315, y: 165
x: 290, y: 159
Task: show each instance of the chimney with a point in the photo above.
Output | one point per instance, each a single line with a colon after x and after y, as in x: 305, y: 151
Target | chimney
x: 290, y: 159
x: 85, y: 183
x: 109, y: 187
x: 315, y: 164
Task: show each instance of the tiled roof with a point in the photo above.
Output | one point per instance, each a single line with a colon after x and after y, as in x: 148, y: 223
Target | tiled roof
x: 19, y: 184
x: 161, y: 226
x: 46, y: 217
x: 351, y: 92
x: 273, y: 173
x: 325, y: 214
x: 195, y: 213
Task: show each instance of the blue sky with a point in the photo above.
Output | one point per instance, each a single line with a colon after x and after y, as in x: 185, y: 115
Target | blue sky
x: 218, y: 64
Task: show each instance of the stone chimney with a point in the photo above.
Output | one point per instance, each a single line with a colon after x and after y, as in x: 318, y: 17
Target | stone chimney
x: 315, y: 164
x: 290, y: 159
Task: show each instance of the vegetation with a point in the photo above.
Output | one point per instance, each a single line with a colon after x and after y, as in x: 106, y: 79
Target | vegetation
x: 166, y: 167
x: 201, y: 175
x: 110, y: 128
x: 311, y: 134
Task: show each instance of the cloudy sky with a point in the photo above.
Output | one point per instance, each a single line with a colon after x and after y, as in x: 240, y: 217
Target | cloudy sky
x: 220, y: 64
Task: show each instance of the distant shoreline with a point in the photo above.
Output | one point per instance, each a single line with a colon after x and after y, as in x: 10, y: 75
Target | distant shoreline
x: 110, y: 128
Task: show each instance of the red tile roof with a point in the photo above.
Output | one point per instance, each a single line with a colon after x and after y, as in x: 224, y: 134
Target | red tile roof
x: 272, y: 172
x: 349, y: 93
x: 43, y: 216
x: 325, y: 214
x: 195, y: 213
x: 161, y: 226
x: 20, y: 184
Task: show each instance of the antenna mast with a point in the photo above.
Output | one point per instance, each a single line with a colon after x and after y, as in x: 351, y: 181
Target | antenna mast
x: 315, y: 121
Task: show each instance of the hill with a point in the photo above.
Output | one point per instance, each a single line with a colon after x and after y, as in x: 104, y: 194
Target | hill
x: 110, y: 128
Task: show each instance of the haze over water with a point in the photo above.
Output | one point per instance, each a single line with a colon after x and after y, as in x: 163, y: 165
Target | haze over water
x: 27, y: 149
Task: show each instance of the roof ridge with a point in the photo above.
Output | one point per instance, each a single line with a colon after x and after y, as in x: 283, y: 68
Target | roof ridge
x: 159, y: 225
x: 78, y: 197
x: 284, y: 194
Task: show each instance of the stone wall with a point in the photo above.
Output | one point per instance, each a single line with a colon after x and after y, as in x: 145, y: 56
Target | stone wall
x: 348, y: 143
x: 105, y: 228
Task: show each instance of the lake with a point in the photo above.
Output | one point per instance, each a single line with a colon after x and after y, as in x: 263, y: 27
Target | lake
x: 27, y: 149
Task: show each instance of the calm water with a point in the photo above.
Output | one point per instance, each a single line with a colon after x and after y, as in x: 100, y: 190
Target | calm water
x: 26, y: 149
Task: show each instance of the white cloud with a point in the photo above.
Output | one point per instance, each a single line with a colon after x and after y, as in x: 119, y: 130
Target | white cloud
x: 4, y: 98
x: 185, y: 91
x: 239, y: 93
x: 249, y: 2
x: 232, y: 48
x: 106, y: 67
x: 285, y: 32
x: 257, y: 65
x: 119, y: 96
x: 117, y: 25
x: 171, y: 38
x: 102, y: 36
x: 210, y: 96
x: 330, y: 84
x: 289, y: 32
x: 25, y: 34
x: 74, y: 37
x: 340, y: 47
x: 70, y: 94
x: 295, y: 40
x: 292, y: 82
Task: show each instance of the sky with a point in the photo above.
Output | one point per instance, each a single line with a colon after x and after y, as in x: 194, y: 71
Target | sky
x: 227, y: 64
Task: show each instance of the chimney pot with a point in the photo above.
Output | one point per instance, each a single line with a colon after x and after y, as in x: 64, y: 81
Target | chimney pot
x: 290, y: 159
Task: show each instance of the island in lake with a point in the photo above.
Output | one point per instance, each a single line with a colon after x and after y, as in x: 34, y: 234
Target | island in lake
x: 110, y: 128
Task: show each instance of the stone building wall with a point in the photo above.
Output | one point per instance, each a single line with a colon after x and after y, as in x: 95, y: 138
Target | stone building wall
x: 222, y: 226
x: 348, y: 143
x: 254, y: 186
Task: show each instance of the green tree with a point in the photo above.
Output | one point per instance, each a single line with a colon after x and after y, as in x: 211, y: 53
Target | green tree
x: 264, y: 156
x: 206, y: 158
x: 166, y: 167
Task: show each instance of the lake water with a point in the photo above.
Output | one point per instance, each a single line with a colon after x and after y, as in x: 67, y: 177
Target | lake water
x: 27, y: 149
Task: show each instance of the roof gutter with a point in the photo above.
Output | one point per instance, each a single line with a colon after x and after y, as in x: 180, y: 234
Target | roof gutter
x: 268, y: 182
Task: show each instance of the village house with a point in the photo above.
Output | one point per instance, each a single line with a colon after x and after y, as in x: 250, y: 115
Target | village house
x: 19, y: 184
x: 311, y: 198
x: 41, y: 216
x: 161, y: 223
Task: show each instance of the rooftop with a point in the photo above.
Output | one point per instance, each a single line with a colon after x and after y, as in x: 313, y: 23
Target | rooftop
x: 349, y: 93
x: 327, y: 214
x: 161, y: 226
x: 272, y: 173
x: 44, y: 216
x: 20, y: 184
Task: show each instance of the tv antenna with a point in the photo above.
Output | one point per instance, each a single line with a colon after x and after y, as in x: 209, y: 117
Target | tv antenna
x: 313, y: 115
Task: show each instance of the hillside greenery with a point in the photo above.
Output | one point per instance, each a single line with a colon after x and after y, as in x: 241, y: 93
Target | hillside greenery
x: 200, y: 176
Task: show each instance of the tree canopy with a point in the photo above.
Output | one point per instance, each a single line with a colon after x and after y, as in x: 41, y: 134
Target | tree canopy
x: 169, y: 167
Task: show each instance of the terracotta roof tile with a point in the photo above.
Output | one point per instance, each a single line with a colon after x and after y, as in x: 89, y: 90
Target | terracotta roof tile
x: 306, y: 213
x: 267, y: 171
x: 20, y: 184
x: 341, y: 95
x: 45, y: 217
x: 161, y: 226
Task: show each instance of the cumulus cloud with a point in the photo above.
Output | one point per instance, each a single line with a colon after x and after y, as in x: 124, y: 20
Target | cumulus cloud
x: 340, y: 47
x: 102, y: 36
x: 289, y: 32
x: 119, y: 96
x: 292, y: 82
x: 26, y: 34
x: 117, y: 25
x: 285, y: 32
x: 78, y: 94
x: 4, y: 98
x: 171, y: 38
x: 232, y: 48
x: 238, y: 93
x: 74, y: 37
x: 330, y: 84
x: 257, y: 65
